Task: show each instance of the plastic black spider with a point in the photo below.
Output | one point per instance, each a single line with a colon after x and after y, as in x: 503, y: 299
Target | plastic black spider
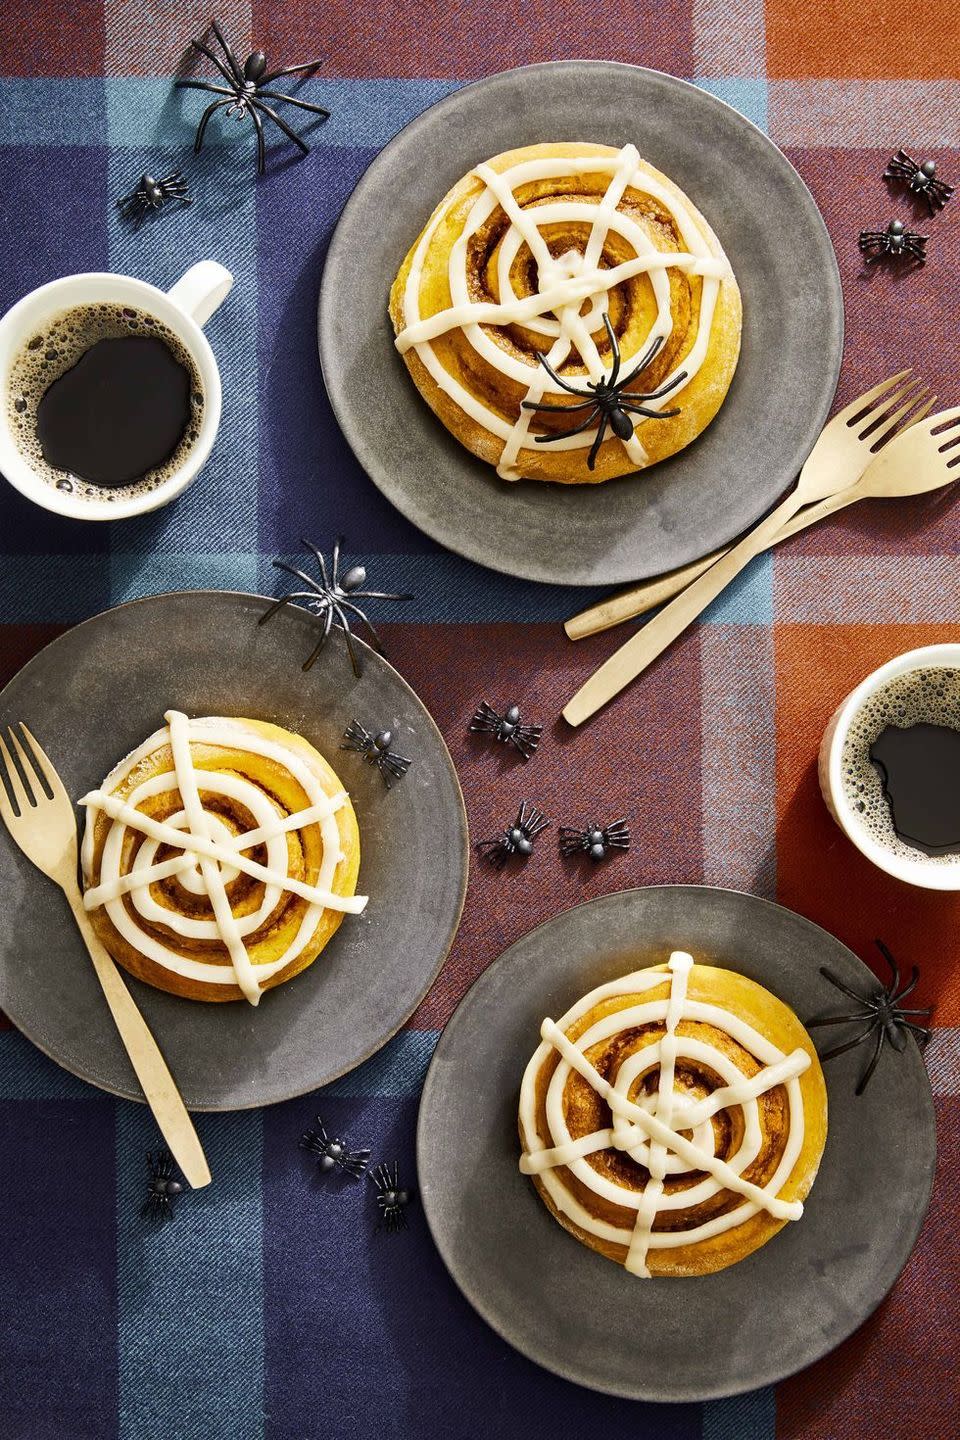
x: 517, y: 839
x: 609, y: 401
x: 595, y: 840
x: 507, y: 727
x: 392, y: 1200
x: 162, y: 1186
x: 331, y: 599
x: 886, y: 1018
x: 375, y: 749
x: 333, y: 1153
x: 919, y: 180
x: 152, y: 195
x: 896, y: 241
x: 246, y: 93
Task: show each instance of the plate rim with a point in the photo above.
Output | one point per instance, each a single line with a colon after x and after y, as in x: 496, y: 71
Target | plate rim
x: 667, y: 1397
x: 360, y: 450
x: 368, y: 650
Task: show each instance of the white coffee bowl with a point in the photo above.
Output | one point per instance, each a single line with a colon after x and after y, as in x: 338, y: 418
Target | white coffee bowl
x: 943, y: 876
x: 184, y: 310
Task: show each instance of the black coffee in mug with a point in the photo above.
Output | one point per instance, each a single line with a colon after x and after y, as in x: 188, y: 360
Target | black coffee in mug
x: 105, y: 398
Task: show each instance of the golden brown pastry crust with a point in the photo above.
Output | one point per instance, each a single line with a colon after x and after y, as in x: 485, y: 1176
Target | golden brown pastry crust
x: 304, y: 851
x: 585, y: 1112
x: 632, y: 311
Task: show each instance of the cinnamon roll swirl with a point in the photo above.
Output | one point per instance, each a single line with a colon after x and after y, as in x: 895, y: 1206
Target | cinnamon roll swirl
x: 674, y: 1120
x: 219, y: 858
x: 536, y: 253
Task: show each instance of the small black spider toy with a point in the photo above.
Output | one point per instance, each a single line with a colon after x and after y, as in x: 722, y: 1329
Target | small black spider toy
x: 517, y: 839
x: 246, y: 93
x: 375, y: 749
x: 330, y: 598
x: 392, y: 1200
x: 595, y: 841
x: 608, y: 401
x: 150, y: 196
x: 508, y: 728
x: 885, y: 1017
x: 162, y: 1186
x: 896, y: 241
x: 333, y: 1153
x: 919, y: 180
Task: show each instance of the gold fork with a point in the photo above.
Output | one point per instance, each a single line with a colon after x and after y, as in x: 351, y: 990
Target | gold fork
x: 41, y: 820
x: 839, y: 457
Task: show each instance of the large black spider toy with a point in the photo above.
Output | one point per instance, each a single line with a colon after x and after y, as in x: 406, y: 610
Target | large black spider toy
x: 163, y: 1187
x: 896, y: 241
x: 330, y: 599
x: 596, y: 840
x: 920, y: 179
x: 608, y: 401
x: 247, y: 92
x: 375, y: 749
x: 332, y: 1153
x: 886, y: 1019
x: 507, y: 728
x: 517, y: 839
x: 392, y: 1199
x: 150, y: 196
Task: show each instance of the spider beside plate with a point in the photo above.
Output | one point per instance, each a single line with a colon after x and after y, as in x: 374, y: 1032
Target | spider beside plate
x: 90, y: 698
x: 633, y: 527
x: 579, y: 1314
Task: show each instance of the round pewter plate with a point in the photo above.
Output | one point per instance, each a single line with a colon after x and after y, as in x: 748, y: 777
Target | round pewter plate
x: 583, y: 1316
x: 94, y: 694
x: 636, y: 526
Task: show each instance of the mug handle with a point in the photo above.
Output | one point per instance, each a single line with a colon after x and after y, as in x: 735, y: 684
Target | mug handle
x: 201, y: 290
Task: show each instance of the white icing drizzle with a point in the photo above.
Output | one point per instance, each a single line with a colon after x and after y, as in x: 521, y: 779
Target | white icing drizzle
x: 565, y: 284
x: 210, y: 856
x: 648, y: 1129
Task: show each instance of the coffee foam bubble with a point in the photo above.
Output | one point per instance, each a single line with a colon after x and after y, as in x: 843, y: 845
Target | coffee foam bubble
x: 52, y: 352
x: 923, y: 696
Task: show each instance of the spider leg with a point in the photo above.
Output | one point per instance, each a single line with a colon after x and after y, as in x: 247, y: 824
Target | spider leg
x: 564, y: 434
x: 267, y: 110
x: 284, y: 600
x: 829, y: 975
x: 261, y: 142
x: 926, y: 1010
x: 289, y: 70
x: 635, y: 409
x: 836, y: 1020
x: 842, y: 1049
x: 556, y: 378
x: 191, y: 84
x: 205, y: 120
x: 893, y: 967
x: 311, y: 659
x: 292, y: 570
x: 614, y: 350
x: 227, y: 49
x: 359, y: 613
x: 920, y: 1030
x: 865, y: 1077
x: 910, y: 985
x: 345, y: 627
x: 643, y: 362
x: 595, y: 447
x: 377, y: 595
x: 233, y: 79
x: 318, y: 556
x: 293, y: 100
x: 557, y: 409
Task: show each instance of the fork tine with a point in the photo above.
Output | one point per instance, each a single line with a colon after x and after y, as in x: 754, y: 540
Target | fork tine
x: 20, y: 802
x: 865, y: 401
x: 891, y: 423
x: 41, y: 763
x: 876, y: 415
x: 28, y: 770
x: 945, y: 420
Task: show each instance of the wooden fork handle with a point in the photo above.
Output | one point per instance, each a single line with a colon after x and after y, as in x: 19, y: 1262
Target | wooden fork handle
x: 159, y: 1086
x: 643, y: 648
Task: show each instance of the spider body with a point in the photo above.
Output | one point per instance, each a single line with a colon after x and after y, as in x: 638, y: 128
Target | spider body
x: 333, y: 1153
x: 896, y: 241
x: 609, y: 401
x: 920, y: 179
x: 375, y: 749
x: 152, y: 195
x: 507, y: 728
x: 886, y: 1019
x: 162, y: 1186
x: 596, y: 840
x: 246, y: 93
x: 517, y: 839
x: 392, y: 1199
x: 332, y: 599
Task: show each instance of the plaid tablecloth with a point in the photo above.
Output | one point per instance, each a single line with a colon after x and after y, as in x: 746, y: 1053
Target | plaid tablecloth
x: 269, y: 1307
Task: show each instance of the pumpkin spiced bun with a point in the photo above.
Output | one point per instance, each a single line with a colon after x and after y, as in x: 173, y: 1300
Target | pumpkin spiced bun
x: 674, y: 1120
x: 220, y: 857
x: 568, y: 314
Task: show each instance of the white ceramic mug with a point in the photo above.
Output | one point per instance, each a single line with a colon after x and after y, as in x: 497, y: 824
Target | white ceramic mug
x: 184, y: 310
x: 920, y: 872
